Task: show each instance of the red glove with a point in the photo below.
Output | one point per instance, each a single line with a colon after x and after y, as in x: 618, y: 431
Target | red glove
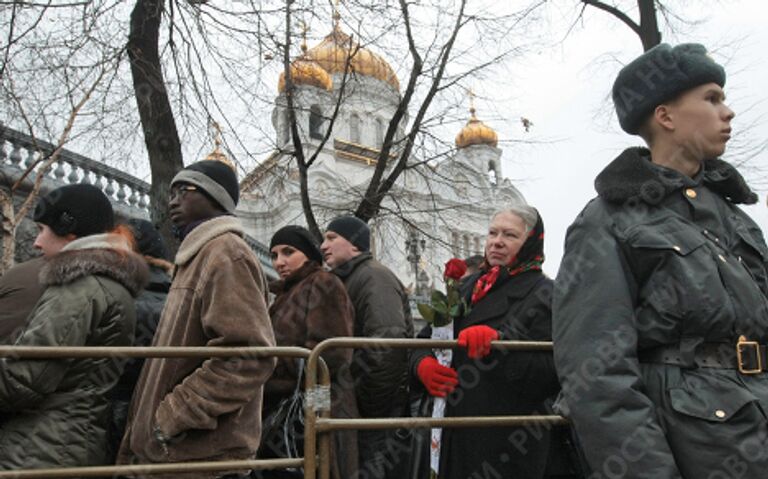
x: 438, y: 379
x: 477, y: 340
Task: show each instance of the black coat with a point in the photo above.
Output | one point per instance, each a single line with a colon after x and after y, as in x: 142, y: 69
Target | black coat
x: 661, y: 260
x: 502, y: 383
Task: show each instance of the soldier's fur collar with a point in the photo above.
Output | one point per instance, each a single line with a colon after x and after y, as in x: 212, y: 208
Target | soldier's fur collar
x: 99, y: 255
x: 204, y: 233
x: 632, y: 175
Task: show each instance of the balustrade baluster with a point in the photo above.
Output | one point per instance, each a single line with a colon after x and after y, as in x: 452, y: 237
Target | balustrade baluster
x: 15, y: 155
x: 97, y: 176
x: 59, y: 172
x: 121, y: 192
x: 86, y: 180
x: 3, y: 153
x: 110, y: 189
x: 144, y: 201
x: 73, y: 176
x: 30, y: 158
x: 133, y: 199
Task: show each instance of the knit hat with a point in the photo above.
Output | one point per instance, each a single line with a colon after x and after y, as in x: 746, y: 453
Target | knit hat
x: 353, y: 230
x: 80, y: 209
x: 659, y: 75
x: 299, y: 238
x: 215, y: 178
x: 148, y: 239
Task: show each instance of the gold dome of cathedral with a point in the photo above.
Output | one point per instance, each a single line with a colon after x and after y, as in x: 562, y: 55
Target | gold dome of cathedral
x: 305, y: 71
x: 475, y: 132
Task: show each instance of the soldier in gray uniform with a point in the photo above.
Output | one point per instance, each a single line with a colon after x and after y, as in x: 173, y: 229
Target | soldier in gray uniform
x: 660, y: 311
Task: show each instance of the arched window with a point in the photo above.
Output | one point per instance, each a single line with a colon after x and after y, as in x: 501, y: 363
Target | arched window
x: 315, y: 123
x: 379, y: 132
x: 467, y: 250
x: 286, y: 128
x: 354, y: 128
x: 455, y: 245
x: 492, y: 173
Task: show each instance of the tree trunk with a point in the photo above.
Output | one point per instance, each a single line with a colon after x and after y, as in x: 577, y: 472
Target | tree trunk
x: 157, y: 121
x: 8, y: 231
x: 649, y: 25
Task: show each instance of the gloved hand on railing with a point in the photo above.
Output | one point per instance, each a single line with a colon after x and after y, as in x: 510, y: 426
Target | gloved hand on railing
x: 438, y: 379
x: 477, y: 340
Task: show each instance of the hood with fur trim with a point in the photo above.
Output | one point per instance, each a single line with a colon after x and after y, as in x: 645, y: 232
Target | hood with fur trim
x: 632, y: 175
x: 100, y: 255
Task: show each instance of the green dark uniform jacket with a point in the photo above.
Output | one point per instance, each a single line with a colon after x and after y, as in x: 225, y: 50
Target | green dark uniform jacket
x: 55, y: 413
x: 663, y: 262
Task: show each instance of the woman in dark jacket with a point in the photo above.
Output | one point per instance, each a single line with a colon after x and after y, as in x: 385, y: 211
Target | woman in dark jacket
x: 508, y: 299
x: 311, y: 305
x: 55, y: 412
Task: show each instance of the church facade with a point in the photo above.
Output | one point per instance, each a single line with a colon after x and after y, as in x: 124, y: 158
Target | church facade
x: 434, y: 212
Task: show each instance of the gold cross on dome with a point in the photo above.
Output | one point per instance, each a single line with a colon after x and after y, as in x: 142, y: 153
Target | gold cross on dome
x: 304, y: 29
x: 336, y: 14
x: 471, y: 102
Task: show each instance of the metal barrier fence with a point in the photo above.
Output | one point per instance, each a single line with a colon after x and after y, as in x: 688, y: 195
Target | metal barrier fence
x: 318, y: 423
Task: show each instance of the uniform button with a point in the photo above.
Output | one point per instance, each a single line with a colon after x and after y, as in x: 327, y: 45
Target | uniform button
x: 722, y: 258
x: 690, y: 193
x: 677, y: 248
x: 720, y: 413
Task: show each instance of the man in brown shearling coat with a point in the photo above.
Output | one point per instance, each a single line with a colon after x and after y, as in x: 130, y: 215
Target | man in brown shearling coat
x: 204, y: 409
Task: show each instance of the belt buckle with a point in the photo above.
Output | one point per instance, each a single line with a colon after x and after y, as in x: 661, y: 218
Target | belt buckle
x: 742, y: 343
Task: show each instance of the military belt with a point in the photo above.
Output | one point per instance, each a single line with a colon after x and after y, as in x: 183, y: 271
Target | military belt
x: 748, y: 357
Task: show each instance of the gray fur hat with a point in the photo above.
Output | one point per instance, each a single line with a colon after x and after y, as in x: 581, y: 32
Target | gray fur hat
x: 659, y: 75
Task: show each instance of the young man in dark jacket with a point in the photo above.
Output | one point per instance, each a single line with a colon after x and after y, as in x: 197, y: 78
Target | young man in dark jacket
x: 192, y: 409
x: 381, y: 311
x: 660, y: 310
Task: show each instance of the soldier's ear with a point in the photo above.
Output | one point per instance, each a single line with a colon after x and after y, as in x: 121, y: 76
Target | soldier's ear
x: 664, y: 116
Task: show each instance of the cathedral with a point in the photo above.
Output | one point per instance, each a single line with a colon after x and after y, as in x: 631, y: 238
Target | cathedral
x: 434, y: 212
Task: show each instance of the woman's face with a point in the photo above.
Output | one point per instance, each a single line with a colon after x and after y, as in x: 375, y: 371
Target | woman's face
x: 506, y: 236
x: 287, y: 259
x: 49, y: 242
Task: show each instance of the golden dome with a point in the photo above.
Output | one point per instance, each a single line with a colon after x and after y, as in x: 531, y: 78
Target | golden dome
x: 475, y: 132
x: 217, y: 154
x: 305, y: 71
x: 333, y: 51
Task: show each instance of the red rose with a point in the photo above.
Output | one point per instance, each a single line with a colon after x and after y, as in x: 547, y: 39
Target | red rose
x: 455, y: 269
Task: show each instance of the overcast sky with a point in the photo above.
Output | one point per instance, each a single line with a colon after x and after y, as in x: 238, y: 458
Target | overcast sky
x: 564, y: 91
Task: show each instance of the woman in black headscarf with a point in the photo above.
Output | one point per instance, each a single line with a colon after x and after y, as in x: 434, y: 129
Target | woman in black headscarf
x: 310, y: 305
x: 509, y: 298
